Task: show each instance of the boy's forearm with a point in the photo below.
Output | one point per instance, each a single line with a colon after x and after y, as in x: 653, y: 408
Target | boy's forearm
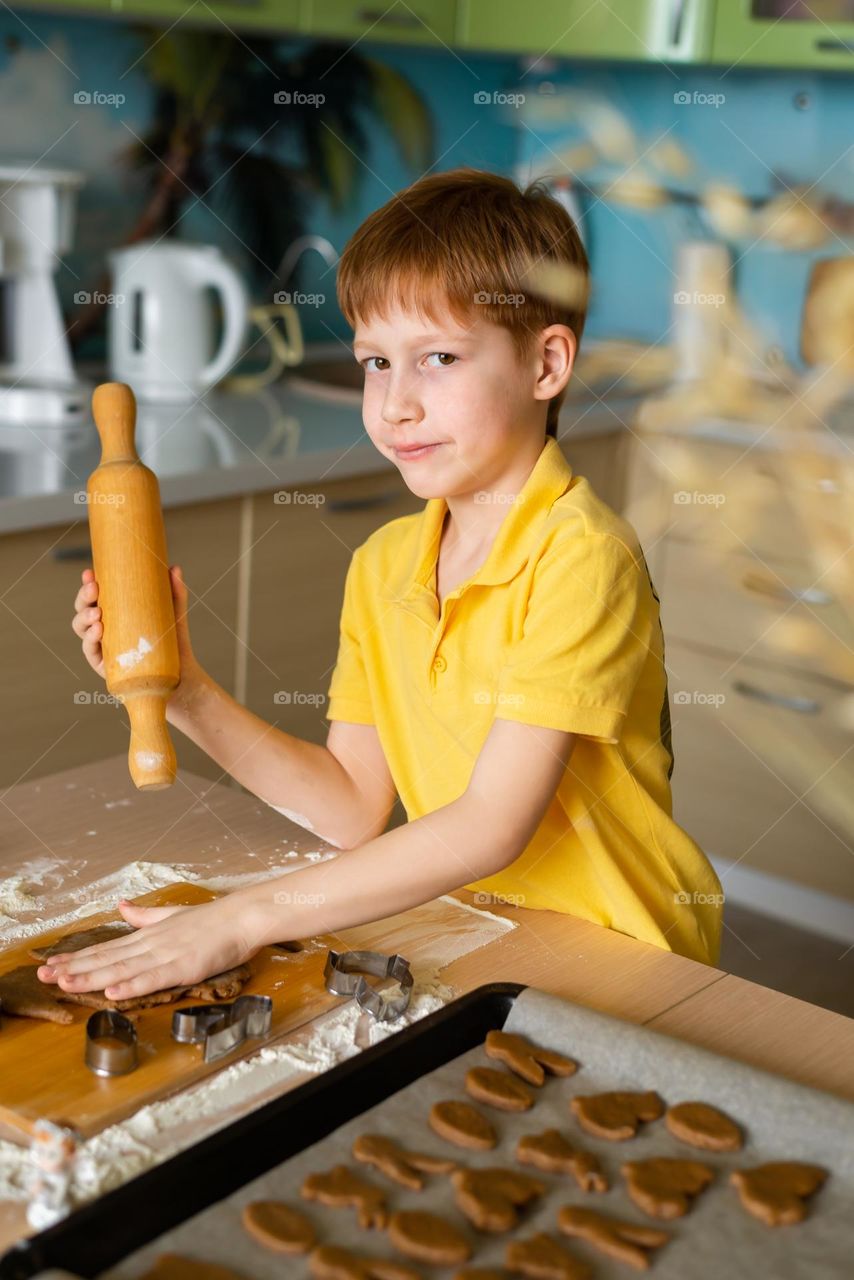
x: 394, y: 872
x: 302, y: 779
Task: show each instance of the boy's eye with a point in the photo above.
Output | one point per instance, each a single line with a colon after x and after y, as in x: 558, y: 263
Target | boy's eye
x: 442, y: 356
x: 366, y: 362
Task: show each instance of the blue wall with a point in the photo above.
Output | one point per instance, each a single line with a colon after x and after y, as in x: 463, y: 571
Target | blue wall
x: 757, y: 131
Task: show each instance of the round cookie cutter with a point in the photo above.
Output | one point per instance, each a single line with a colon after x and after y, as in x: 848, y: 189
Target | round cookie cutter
x: 343, y: 975
x: 111, y: 1044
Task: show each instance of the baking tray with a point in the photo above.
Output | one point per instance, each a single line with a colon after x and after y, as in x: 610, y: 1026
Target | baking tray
x: 100, y: 1234
x: 391, y: 1093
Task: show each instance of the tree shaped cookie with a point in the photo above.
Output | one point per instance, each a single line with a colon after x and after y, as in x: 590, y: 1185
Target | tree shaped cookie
x: 528, y: 1060
x: 428, y: 1238
x: 626, y: 1241
x: 462, y: 1124
x: 490, y: 1198
x: 498, y: 1089
x: 278, y: 1227
x: 552, y: 1153
x: 666, y: 1188
x: 544, y: 1258
x: 615, y: 1116
x: 406, y: 1167
x: 329, y: 1262
x: 703, y: 1126
x: 341, y: 1186
x: 777, y: 1193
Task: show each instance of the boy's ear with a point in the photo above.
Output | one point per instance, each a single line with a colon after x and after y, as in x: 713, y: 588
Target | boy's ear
x: 558, y: 347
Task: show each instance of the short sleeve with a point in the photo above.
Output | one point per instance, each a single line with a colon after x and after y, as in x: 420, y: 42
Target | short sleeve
x: 585, y: 639
x: 349, y: 695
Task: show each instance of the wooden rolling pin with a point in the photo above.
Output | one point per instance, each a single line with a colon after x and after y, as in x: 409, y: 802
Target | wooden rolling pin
x: 131, y: 566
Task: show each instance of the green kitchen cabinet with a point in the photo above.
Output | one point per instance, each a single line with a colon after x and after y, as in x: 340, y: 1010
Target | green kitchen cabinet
x: 236, y: 15
x: 425, y: 22
x: 640, y: 30
x: 784, y: 33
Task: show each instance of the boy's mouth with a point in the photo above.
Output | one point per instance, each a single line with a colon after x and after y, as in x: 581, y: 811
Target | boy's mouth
x: 412, y: 451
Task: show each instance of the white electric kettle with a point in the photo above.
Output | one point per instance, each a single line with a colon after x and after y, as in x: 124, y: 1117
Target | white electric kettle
x: 160, y: 329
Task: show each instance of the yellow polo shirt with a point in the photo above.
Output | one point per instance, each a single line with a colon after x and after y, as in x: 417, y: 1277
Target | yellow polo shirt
x: 559, y: 627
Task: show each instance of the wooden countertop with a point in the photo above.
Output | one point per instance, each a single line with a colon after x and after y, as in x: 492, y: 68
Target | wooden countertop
x: 93, y: 816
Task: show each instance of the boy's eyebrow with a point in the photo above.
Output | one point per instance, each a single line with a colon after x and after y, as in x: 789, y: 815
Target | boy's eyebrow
x: 426, y: 337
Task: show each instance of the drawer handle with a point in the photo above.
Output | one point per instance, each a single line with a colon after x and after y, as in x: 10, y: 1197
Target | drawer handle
x: 83, y: 552
x: 834, y: 46
x: 360, y: 504
x: 390, y: 19
x: 804, y: 706
x: 779, y: 590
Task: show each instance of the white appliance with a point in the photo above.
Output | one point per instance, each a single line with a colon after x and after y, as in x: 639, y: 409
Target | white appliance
x: 37, y: 378
x: 161, y: 329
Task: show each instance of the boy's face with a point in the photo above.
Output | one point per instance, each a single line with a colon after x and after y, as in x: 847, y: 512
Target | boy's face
x: 460, y: 393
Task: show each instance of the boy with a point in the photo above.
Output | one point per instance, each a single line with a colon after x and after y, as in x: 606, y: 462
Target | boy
x: 501, y: 660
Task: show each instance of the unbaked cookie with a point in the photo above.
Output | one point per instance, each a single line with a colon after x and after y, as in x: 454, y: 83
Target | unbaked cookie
x: 80, y: 939
x: 341, y: 1186
x: 490, y: 1198
x: 703, y: 1126
x: 777, y: 1193
x: 278, y: 1227
x: 329, y: 1262
x: 615, y: 1116
x: 172, y: 1266
x: 528, y: 1060
x: 550, y: 1152
x: 427, y: 1238
x: 462, y: 1124
x: 22, y: 994
x: 666, y: 1188
x: 626, y: 1241
x: 544, y: 1258
x: 498, y: 1089
x: 406, y: 1167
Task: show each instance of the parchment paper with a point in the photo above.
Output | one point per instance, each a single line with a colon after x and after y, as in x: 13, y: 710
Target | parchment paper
x: 718, y: 1238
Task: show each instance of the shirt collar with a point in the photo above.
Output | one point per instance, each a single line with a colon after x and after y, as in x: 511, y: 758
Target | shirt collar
x: 548, y: 479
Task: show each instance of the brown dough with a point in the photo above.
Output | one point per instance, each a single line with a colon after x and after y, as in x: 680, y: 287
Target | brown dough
x: 406, y: 1167
x: 278, y: 1227
x: 22, y: 993
x: 703, y: 1126
x: 490, y: 1197
x: 222, y: 986
x: 427, y: 1238
x: 329, y: 1262
x: 625, y: 1241
x: 462, y: 1124
x: 777, y: 1193
x: 545, y: 1259
x: 666, y: 1188
x: 80, y: 939
x: 172, y: 1266
x: 340, y: 1186
x: 615, y: 1116
x: 480, y: 1273
x: 528, y: 1060
x: 550, y: 1152
x: 498, y: 1089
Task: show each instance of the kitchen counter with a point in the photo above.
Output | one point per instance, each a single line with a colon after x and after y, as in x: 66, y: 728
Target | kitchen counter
x: 95, y: 808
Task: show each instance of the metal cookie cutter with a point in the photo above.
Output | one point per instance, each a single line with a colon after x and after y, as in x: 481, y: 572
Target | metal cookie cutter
x: 111, y: 1044
x: 222, y: 1027
x: 343, y: 977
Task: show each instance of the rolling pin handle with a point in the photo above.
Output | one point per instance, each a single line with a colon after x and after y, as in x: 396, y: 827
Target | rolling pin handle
x: 151, y: 758
x: 114, y: 411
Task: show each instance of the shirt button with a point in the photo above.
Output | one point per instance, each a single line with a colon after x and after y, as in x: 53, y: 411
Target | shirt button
x: 439, y: 663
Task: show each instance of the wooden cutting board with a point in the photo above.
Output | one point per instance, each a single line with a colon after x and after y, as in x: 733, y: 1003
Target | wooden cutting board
x: 42, y: 1068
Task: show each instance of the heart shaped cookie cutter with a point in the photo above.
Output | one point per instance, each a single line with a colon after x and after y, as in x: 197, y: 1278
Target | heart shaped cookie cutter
x: 222, y: 1027
x: 343, y: 975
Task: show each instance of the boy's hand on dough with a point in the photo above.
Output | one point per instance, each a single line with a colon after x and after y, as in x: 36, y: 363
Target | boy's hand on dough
x: 170, y: 947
